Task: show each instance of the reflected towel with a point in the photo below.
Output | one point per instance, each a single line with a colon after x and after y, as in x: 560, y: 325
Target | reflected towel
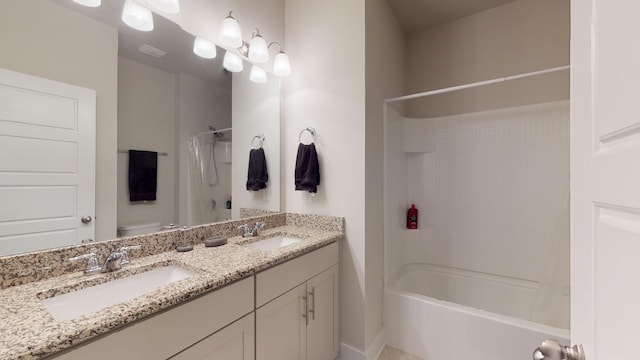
x: 143, y: 175
x: 307, y: 173
x: 257, y: 175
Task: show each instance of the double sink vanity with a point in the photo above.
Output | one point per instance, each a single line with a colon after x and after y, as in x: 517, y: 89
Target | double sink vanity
x: 272, y: 295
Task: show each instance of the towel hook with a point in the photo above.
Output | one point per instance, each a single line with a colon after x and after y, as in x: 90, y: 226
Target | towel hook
x: 261, y: 138
x: 311, y: 131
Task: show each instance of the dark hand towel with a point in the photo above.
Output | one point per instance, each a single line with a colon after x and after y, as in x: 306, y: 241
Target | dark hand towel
x: 257, y: 175
x: 143, y: 175
x: 307, y: 174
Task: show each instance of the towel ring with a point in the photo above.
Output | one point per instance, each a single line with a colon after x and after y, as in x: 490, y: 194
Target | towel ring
x: 311, y: 131
x: 253, y: 141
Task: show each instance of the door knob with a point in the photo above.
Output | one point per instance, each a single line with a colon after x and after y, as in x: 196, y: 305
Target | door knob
x: 86, y: 219
x: 553, y: 350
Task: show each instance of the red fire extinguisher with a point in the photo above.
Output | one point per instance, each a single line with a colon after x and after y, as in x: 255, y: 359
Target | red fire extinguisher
x: 412, y: 217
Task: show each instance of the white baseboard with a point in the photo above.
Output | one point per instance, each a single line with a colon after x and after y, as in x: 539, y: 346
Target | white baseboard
x: 376, y: 347
x: 373, y: 352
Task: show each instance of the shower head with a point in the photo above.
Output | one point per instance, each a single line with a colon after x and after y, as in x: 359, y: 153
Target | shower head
x: 216, y: 134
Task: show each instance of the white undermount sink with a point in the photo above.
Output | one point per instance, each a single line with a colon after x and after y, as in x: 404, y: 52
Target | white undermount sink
x: 90, y: 299
x: 273, y: 243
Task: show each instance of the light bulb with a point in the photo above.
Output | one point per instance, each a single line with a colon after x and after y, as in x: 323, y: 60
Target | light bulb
x: 230, y: 34
x: 281, y: 65
x: 168, y: 6
x: 137, y: 16
x: 232, y: 62
x: 258, y: 75
x: 258, y: 51
x: 204, y: 48
x: 89, y: 3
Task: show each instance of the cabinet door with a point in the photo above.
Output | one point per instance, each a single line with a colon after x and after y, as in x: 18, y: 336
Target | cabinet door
x: 234, y: 342
x: 281, y: 327
x: 322, y: 332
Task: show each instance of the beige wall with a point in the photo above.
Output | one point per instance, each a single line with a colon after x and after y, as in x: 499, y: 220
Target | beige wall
x: 384, y: 79
x: 146, y: 121
x: 520, y: 37
x: 325, y: 41
x: 46, y: 40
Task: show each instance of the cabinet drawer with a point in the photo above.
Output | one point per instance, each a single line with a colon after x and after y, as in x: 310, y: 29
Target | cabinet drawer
x: 279, y: 279
x: 163, y: 335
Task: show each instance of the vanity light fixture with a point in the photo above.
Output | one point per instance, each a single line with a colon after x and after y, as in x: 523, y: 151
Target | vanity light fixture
x: 281, y: 64
x: 230, y: 33
x: 137, y: 16
x: 258, y: 75
x: 258, y: 51
x: 232, y: 62
x: 204, y: 48
x: 168, y: 6
x: 89, y: 3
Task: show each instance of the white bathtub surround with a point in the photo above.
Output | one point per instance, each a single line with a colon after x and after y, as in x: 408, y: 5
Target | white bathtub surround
x: 437, y: 329
x: 492, y: 189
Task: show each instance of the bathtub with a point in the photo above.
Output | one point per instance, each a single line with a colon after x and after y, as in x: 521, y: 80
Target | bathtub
x: 417, y: 322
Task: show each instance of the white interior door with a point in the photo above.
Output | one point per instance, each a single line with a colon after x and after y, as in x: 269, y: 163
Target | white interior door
x: 605, y: 177
x: 47, y: 163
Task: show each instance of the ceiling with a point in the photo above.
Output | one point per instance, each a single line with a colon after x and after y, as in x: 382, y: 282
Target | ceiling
x: 416, y: 15
x: 166, y: 36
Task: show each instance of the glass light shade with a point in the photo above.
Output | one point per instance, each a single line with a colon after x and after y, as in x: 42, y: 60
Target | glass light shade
x: 281, y: 65
x: 137, y: 16
x: 230, y: 34
x: 204, y: 48
x: 258, y: 51
x: 258, y: 75
x: 89, y: 3
x: 232, y: 62
x: 168, y: 6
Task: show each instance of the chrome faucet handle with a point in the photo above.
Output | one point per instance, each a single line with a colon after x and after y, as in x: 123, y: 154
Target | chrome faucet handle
x: 257, y: 228
x: 125, y: 253
x: 93, y: 267
x: 246, y: 232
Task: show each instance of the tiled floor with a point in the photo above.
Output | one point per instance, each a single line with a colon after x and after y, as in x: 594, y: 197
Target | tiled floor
x: 389, y: 353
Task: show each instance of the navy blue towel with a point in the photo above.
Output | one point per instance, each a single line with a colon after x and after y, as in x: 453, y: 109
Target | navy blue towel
x: 307, y: 173
x: 143, y: 175
x: 257, y: 175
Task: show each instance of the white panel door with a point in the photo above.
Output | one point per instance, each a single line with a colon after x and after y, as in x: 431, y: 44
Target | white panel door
x: 605, y: 177
x: 47, y: 163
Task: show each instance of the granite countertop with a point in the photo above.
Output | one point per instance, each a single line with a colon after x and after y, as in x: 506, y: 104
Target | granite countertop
x: 28, y: 331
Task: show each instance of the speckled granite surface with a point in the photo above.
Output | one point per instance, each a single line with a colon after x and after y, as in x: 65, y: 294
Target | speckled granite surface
x: 36, y: 266
x: 28, y: 330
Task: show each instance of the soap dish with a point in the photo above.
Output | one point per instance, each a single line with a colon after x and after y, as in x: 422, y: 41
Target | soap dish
x: 215, y: 241
x: 184, y: 248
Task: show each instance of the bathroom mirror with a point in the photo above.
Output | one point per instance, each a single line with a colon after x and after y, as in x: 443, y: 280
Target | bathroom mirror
x: 169, y: 105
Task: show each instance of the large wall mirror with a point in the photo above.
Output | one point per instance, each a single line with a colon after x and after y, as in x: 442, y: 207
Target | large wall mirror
x: 201, y: 119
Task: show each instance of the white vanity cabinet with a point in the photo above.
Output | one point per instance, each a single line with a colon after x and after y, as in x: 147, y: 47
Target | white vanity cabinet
x: 221, y: 321
x: 297, y: 308
x: 234, y: 342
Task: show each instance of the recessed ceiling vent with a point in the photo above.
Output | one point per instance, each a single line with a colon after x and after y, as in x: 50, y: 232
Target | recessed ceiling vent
x: 152, y: 51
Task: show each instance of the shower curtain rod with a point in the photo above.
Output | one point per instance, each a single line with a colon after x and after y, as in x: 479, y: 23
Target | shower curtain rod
x: 476, y: 84
x: 214, y: 131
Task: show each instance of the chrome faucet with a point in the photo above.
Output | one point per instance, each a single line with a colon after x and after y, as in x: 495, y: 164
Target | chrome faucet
x: 247, y: 231
x: 114, y: 261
